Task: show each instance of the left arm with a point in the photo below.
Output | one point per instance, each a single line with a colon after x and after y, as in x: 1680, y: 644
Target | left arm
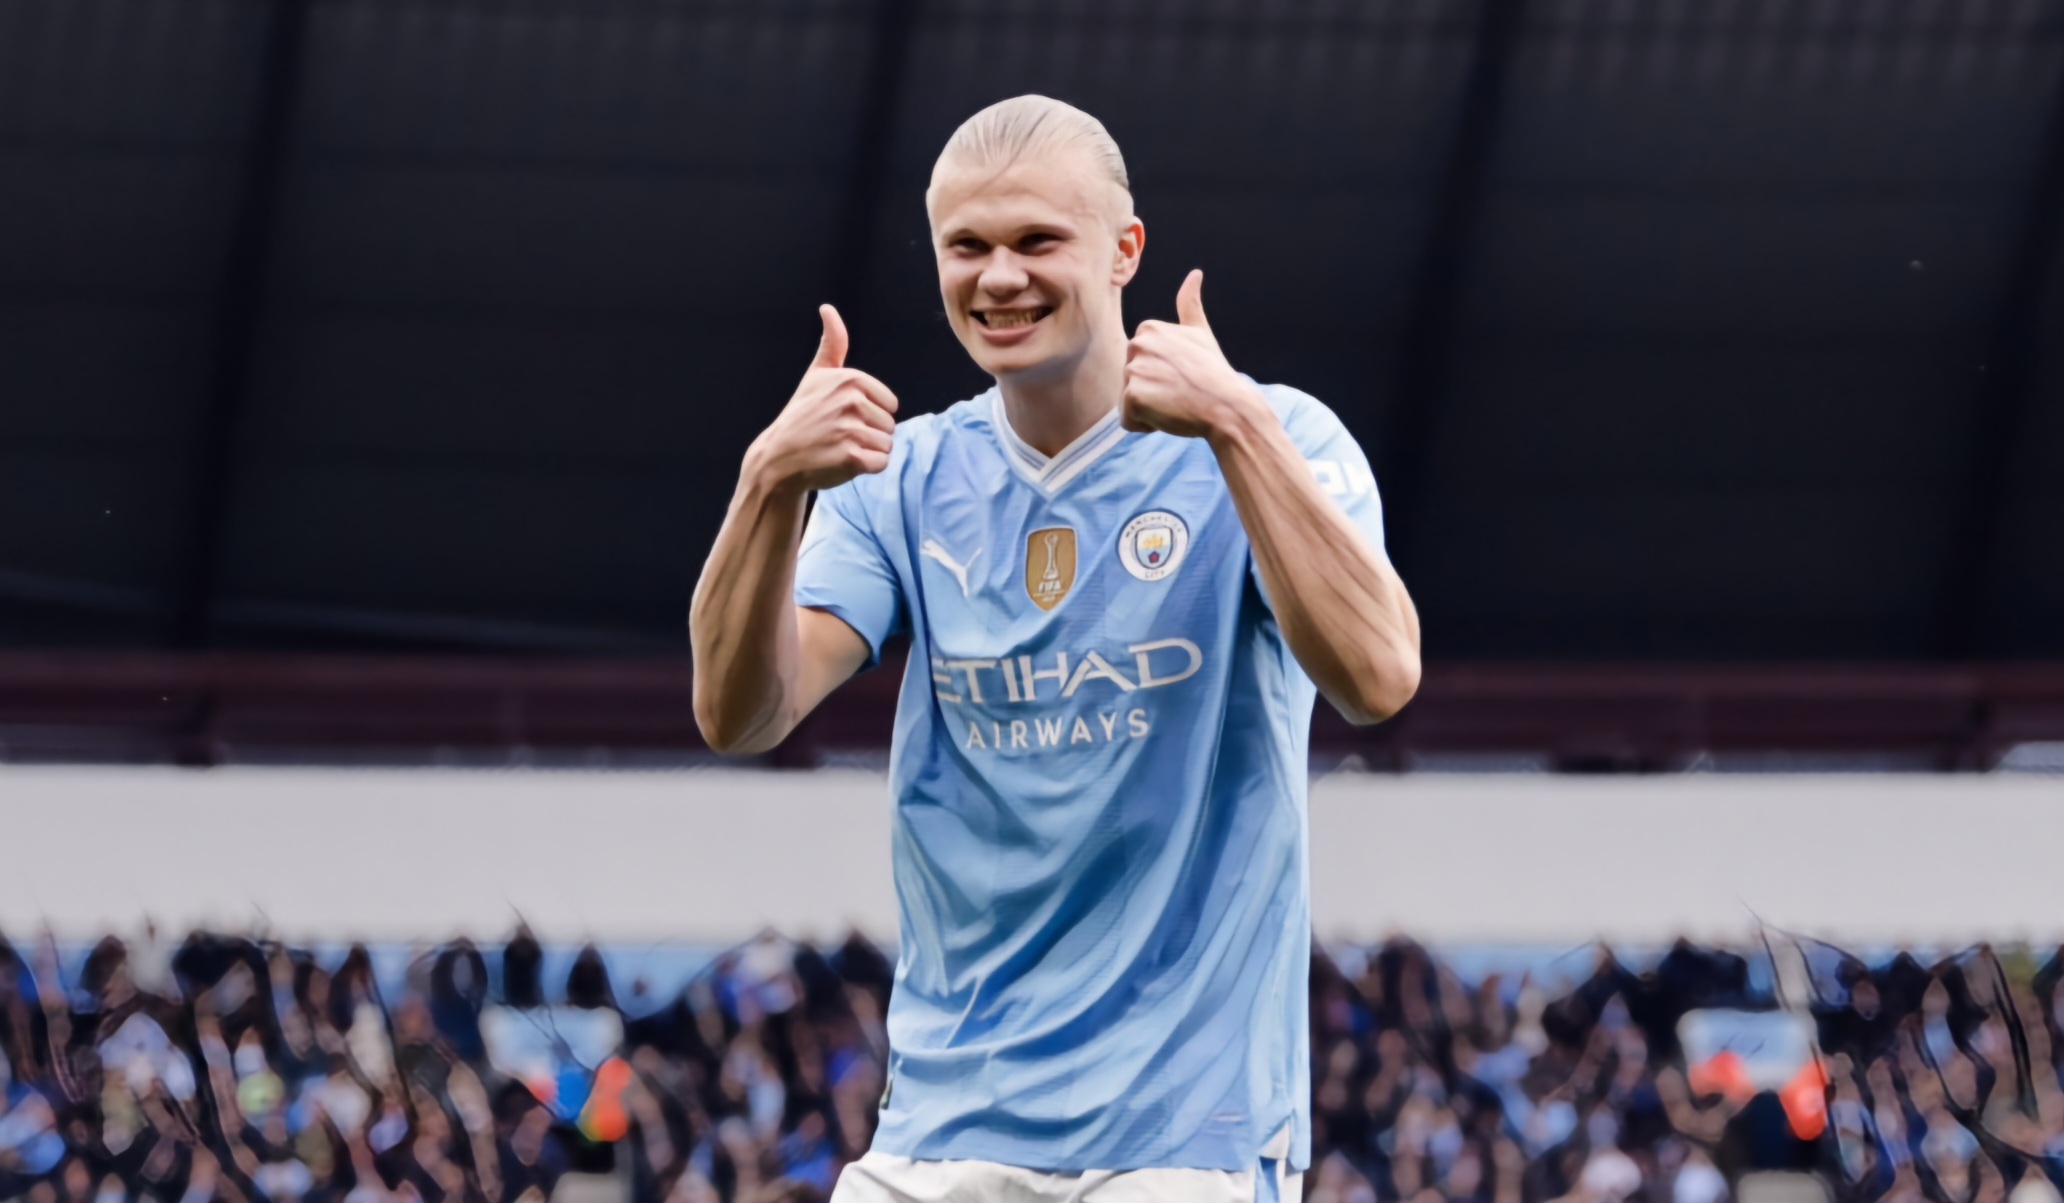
x: 1342, y: 608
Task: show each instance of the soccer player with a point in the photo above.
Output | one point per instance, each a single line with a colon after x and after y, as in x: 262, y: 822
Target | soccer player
x: 1124, y: 572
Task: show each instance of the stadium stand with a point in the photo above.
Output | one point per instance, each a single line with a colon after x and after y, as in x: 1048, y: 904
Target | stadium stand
x: 240, y: 1069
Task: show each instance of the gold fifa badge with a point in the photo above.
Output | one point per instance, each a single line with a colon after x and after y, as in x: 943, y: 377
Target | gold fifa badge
x: 1049, y: 565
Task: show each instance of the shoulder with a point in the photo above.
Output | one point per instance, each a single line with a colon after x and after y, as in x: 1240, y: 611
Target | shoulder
x: 1296, y: 407
x: 1336, y: 459
x: 974, y: 417
x: 922, y: 441
x: 1311, y: 422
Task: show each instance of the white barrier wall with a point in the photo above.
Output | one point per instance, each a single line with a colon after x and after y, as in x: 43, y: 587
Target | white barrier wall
x: 717, y: 855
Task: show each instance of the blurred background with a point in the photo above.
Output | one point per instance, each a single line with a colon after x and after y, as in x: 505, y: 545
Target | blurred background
x: 373, y: 378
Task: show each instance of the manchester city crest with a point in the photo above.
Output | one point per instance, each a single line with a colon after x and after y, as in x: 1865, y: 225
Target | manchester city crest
x: 1153, y: 545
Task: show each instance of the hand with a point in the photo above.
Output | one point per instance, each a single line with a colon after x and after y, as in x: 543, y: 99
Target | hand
x: 839, y: 424
x: 1176, y: 379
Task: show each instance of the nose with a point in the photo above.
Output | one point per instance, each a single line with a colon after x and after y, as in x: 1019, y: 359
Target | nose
x: 1003, y: 276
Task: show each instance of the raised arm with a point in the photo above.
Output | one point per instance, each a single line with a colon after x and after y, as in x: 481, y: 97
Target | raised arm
x: 1342, y: 608
x: 761, y: 662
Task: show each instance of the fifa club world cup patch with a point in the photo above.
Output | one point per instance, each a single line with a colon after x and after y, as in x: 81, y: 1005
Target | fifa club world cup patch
x: 1153, y: 545
x: 1049, y: 565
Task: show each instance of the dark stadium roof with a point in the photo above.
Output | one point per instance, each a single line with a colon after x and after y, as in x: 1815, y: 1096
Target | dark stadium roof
x: 1679, y: 329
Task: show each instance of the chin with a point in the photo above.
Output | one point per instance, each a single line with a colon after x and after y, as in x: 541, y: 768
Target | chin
x: 1005, y: 362
x: 1033, y: 363
x: 1013, y: 363
x: 1034, y: 372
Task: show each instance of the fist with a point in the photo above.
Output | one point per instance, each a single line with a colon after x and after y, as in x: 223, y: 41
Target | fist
x: 839, y: 424
x: 1176, y: 379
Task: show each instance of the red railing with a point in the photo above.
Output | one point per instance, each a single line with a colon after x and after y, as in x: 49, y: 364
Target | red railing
x: 207, y: 709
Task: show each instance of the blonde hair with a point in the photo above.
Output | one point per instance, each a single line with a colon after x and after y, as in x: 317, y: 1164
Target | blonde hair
x: 1010, y: 129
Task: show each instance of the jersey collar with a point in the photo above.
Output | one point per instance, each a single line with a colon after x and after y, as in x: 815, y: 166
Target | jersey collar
x: 1046, y: 473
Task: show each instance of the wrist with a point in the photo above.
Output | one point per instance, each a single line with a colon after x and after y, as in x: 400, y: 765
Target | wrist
x: 762, y: 481
x: 1241, y: 418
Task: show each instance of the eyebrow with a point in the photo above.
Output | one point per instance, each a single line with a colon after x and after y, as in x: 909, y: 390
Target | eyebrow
x: 1017, y: 232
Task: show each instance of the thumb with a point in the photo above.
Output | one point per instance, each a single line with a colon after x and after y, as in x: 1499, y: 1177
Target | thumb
x: 831, y: 349
x: 1189, y: 300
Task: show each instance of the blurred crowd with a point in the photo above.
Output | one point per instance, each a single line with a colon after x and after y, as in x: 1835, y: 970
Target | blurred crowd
x: 221, y: 1067
x: 226, y: 1068
x: 1932, y: 1082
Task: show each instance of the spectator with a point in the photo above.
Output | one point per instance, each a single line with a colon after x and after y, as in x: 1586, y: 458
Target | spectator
x: 236, y: 1072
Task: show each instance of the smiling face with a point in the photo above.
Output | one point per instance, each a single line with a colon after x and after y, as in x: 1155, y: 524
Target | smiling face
x: 1032, y: 259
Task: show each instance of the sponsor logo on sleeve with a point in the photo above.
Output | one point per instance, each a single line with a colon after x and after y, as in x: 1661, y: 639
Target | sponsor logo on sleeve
x: 1342, y: 479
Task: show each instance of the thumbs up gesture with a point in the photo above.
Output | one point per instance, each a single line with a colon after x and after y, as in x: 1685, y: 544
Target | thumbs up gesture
x: 839, y: 424
x: 1176, y: 379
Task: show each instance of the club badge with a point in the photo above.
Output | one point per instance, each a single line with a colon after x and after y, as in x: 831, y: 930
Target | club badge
x: 1153, y: 545
x: 1049, y: 565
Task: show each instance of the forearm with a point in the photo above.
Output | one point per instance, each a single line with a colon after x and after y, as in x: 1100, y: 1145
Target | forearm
x: 1341, y: 607
x: 742, y: 625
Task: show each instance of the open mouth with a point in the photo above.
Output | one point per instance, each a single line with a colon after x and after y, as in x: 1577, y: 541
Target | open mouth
x: 1011, y: 319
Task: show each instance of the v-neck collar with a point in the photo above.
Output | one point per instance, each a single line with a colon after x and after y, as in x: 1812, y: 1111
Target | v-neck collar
x: 1049, y: 474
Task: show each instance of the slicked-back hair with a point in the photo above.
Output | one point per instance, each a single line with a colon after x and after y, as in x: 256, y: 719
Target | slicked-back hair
x: 1011, y: 129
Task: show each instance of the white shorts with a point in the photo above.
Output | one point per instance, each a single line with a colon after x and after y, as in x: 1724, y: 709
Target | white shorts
x: 883, y: 1178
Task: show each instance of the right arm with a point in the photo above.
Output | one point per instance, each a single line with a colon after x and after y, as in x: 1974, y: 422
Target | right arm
x: 762, y: 662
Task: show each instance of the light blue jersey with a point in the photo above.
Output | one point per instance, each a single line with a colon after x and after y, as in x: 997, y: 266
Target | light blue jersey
x: 1099, y: 779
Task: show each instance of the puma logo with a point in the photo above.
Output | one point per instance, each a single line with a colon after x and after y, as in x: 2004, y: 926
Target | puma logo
x: 932, y: 549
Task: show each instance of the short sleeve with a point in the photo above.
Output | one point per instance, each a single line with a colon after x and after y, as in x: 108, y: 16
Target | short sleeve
x: 843, y: 569
x: 1335, y: 459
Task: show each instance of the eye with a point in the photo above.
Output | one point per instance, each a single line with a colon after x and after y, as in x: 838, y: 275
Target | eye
x: 968, y: 246
x: 1037, y: 242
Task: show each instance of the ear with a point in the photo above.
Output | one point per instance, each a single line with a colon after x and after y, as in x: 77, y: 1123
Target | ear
x: 1132, y: 242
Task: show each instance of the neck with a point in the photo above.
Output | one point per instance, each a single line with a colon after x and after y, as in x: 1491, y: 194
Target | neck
x: 1051, y: 409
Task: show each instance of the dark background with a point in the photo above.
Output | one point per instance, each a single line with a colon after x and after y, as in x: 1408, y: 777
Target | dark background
x: 1681, y: 330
